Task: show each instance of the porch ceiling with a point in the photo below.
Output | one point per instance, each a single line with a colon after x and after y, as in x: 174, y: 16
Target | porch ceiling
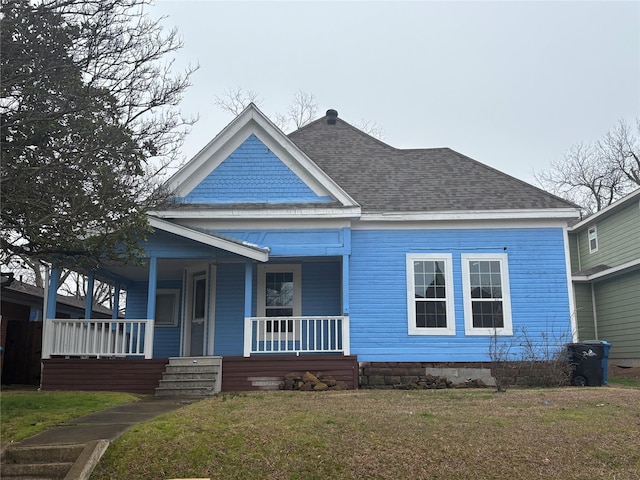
x: 168, y: 269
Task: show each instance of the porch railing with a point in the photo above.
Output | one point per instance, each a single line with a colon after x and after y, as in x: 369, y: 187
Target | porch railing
x: 296, y: 335
x: 98, y: 338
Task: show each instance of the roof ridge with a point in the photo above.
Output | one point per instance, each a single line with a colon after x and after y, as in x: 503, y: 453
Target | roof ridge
x: 347, y: 124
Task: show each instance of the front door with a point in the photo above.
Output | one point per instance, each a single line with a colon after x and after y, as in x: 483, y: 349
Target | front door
x: 198, y: 314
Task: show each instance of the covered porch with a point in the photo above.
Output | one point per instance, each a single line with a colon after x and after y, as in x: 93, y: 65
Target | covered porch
x: 203, y: 295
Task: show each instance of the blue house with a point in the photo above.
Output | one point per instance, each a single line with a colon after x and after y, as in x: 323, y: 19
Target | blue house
x: 328, y: 245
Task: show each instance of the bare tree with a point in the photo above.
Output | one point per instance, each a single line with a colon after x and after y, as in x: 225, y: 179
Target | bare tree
x: 302, y: 110
x: 236, y: 100
x: 597, y: 174
x: 371, y: 128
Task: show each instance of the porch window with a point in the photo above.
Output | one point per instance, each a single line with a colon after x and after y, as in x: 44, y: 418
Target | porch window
x: 279, y: 293
x: 167, y: 302
x: 487, y: 305
x: 430, y: 294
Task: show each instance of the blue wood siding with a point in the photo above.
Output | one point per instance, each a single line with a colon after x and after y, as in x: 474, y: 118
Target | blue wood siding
x: 167, y: 245
x: 229, y: 310
x: 252, y: 173
x: 166, y: 340
x: 321, y: 288
x: 321, y: 295
x: 379, y: 332
x: 284, y: 243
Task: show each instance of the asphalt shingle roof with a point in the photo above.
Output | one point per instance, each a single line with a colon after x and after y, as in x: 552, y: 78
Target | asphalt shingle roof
x: 382, y: 178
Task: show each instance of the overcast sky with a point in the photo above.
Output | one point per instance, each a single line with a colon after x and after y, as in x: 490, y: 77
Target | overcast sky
x: 510, y: 84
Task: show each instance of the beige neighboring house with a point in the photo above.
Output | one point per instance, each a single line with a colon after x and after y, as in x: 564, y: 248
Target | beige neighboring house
x: 605, y: 265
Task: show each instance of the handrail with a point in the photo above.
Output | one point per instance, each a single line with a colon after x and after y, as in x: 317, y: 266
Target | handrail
x: 309, y: 334
x: 98, y: 337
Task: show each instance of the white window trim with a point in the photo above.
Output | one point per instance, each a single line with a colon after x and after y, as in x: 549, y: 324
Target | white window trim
x: 175, y: 292
x: 595, y: 237
x: 450, y: 329
x: 506, y: 294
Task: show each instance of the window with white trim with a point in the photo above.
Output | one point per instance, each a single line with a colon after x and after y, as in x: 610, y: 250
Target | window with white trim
x: 430, y: 304
x: 167, y: 302
x: 487, y: 300
x: 279, y: 295
x: 593, y: 239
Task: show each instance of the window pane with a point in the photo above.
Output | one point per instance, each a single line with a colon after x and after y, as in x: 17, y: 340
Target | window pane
x: 429, y: 279
x: 165, y: 308
x: 278, y: 312
x: 199, y: 298
x: 431, y: 314
x: 487, y: 281
x: 487, y: 314
x: 279, y: 289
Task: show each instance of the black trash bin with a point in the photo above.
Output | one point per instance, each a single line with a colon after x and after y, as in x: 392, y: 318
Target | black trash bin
x: 588, y: 361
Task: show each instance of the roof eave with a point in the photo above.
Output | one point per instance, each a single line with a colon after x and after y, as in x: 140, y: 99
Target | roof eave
x: 244, y: 249
x: 605, y: 212
x: 258, y: 213
x: 563, y: 214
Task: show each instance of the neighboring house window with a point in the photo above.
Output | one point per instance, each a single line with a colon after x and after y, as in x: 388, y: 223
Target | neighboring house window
x: 487, y: 303
x: 430, y: 294
x: 279, y: 295
x: 593, y: 239
x: 167, y: 301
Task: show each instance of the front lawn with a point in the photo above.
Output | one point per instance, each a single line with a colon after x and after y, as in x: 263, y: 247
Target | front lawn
x: 569, y: 433
x: 27, y: 412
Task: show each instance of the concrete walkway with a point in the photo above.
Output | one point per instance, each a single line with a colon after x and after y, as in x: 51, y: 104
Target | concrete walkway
x: 108, y: 424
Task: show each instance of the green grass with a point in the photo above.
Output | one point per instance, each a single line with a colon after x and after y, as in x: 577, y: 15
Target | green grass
x: 626, y: 382
x: 27, y: 412
x: 565, y: 433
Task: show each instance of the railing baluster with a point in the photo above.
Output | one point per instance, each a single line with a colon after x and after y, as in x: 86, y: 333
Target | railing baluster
x: 97, y: 338
x: 322, y: 334
x: 131, y: 335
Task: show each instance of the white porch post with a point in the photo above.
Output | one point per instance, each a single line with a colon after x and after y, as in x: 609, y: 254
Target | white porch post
x: 151, y: 307
x: 248, y: 288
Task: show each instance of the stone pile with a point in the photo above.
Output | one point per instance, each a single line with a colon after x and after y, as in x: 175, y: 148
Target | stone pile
x: 432, y: 382
x: 308, y: 382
